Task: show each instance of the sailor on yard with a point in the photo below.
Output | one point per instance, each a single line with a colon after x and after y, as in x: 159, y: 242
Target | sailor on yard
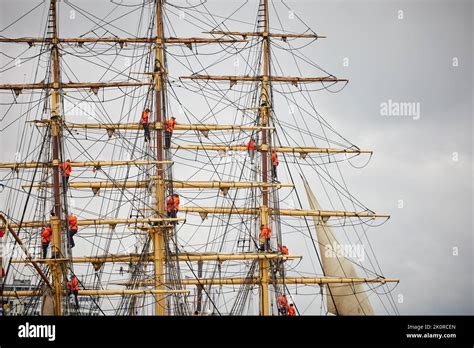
x: 283, y: 249
x: 172, y: 206
x: 283, y: 304
x: 291, y: 310
x: 73, y: 286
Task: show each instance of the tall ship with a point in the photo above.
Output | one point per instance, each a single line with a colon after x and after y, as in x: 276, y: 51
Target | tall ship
x: 168, y: 158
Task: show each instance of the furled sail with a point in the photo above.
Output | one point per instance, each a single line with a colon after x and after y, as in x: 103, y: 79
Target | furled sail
x: 47, y: 306
x: 342, y: 299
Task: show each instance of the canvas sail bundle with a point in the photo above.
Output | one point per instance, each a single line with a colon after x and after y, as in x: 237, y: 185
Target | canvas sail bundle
x: 342, y: 299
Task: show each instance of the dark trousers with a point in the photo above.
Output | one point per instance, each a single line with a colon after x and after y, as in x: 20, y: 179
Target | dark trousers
x: 172, y: 214
x: 70, y: 238
x: 274, y: 171
x: 146, y: 127
x: 251, y: 155
x: 65, y: 182
x: 74, y: 292
x: 265, y: 245
x: 45, y: 249
x: 167, y: 139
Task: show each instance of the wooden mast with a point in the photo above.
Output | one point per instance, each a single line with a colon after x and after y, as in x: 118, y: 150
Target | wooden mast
x: 158, y: 233
x: 265, y: 113
x: 56, y: 249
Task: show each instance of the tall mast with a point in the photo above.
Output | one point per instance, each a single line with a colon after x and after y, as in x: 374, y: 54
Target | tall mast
x: 55, y: 139
x: 265, y: 110
x: 158, y: 233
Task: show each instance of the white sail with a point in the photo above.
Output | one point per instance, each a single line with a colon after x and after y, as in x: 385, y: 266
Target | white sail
x: 342, y: 299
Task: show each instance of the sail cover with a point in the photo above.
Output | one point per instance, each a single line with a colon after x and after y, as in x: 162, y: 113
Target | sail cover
x: 342, y: 299
x: 47, y: 306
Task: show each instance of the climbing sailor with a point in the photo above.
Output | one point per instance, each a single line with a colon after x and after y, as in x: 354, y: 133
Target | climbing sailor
x: 46, y: 239
x: 73, y: 287
x: 66, y: 170
x: 72, y: 220
x: 170, y: 124
x: 251, y: 149
x: 265, y: 235
x: 274, y: 159
x: 145, y: 123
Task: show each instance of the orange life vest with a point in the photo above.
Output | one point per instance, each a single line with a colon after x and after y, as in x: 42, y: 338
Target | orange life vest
x: 283, y: 302
x: 284, y: 250
x: 176, y: 203
x: 170, y: 124
x: 72, y: 222
x: 66, y: 168
x: 291, y: 311
x: 265, y: 232
x: 251, y: 145
x: 169, y: 204
x: 145, y: 116
x: 274, y: 159
x: 73, y: 285
x: 46, y: 235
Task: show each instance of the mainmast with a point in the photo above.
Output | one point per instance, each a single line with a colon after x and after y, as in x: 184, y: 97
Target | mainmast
x: 158, y: 233
x: 265, y: 113
x: 56, y: 134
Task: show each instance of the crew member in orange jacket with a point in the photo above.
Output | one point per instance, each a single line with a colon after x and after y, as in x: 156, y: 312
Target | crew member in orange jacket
x: 172, y: 206
x: 46, y: 239
x: 265, y: 235
x: 146, y: 123
x: 169, y: 206
x: 274, y: 159
x: 251, y: 149
x: 72, y: 220
x: 291, y: 310
x: 170, y: 124
x: 283, y: 304
x: 283, y: 249
x: 73, y: 286
x: 66, y: 170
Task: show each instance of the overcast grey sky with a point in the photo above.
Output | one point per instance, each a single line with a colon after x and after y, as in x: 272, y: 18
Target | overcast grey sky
x: 417, y: 52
